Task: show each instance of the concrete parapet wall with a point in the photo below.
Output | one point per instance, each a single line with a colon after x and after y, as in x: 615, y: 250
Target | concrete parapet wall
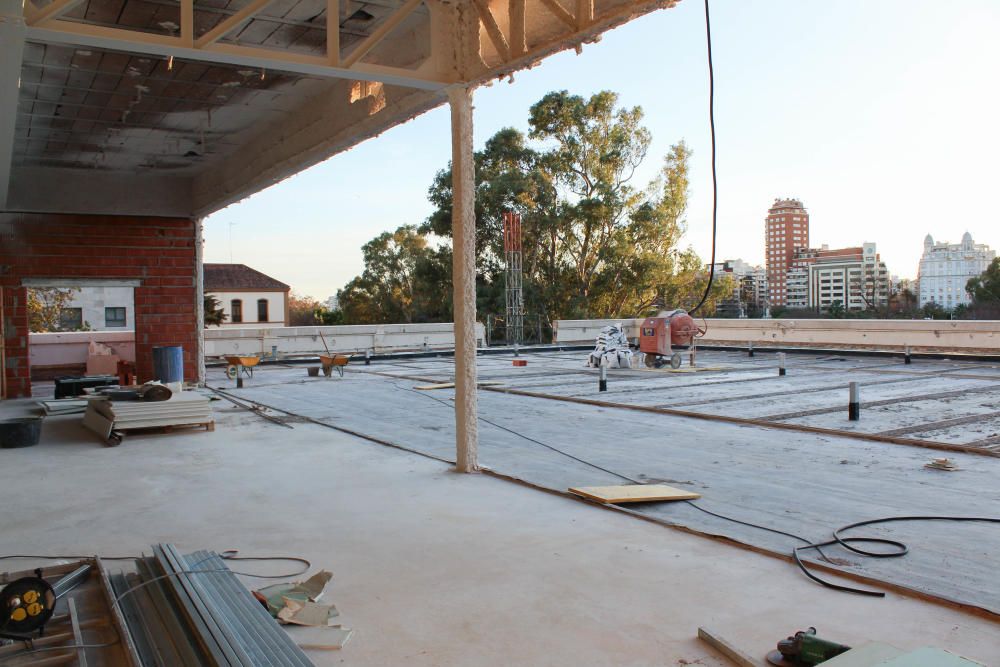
x: 290, y: 341
x: 973, y: 336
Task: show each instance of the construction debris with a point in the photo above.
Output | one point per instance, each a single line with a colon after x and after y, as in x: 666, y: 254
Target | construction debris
x: 611, y: 349
x: 737, y: 656
x: 942, y: 464
x: 109, y: 418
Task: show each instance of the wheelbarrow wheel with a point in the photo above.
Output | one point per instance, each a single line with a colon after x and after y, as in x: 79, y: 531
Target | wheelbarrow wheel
x: 232, y: 371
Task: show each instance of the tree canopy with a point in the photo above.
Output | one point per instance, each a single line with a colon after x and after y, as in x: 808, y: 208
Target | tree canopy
x: 595, y: 243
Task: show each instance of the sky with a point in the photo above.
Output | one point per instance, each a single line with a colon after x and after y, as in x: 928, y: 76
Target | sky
x: 881, y: 116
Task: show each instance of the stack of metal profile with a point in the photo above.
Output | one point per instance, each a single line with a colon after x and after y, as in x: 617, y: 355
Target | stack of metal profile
x: 192, y: 610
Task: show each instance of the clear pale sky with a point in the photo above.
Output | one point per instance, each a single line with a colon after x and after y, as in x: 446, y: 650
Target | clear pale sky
x: 882, y: 116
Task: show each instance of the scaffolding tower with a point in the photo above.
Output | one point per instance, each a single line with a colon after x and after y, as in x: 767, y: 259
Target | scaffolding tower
x: 515, y: 293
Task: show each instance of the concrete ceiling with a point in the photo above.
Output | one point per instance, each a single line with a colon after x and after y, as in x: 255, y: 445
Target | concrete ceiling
x: 165, y: 107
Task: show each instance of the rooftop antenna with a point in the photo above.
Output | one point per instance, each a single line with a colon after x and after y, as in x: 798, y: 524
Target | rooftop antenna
x: 515, y: 294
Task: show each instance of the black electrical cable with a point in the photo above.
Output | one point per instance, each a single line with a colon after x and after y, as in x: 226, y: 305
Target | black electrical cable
x: 228, y: 554
x: 715, y: 179
x: 900, y: 549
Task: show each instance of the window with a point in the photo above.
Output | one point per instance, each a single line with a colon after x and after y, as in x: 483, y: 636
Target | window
x: 71, y: 319
x: 236, y: 311
x: 114, y: 317
x: 262, y: 310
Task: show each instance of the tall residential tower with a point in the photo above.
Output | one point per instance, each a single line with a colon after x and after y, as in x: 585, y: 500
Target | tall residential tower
x: 786, y: 230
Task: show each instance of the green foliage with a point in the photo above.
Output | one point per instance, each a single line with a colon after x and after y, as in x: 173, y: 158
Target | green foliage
x: 935, y: 312
x: 594, y: 244
x: 985, y: 288
x: 45, y: 306
x: 836, y: 310
x: 214, y: 314
x: 405, y: 280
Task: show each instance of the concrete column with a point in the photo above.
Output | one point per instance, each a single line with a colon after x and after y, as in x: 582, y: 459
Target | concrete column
x: 12, y: 32
x: 199, y: 295
x: 463, y: 221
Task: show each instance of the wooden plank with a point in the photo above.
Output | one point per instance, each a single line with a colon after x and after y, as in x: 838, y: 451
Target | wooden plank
x: 737, y: 656
x: 633, y: 493
x: 450, y: 385
x: 81, y: 653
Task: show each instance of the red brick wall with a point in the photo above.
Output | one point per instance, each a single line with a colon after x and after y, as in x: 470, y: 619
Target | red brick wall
x: 160, y: 252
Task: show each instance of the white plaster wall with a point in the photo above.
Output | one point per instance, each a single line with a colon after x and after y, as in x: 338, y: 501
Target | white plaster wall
x: 62, y: 349
x: 275, y: 308
x: 93, y: 301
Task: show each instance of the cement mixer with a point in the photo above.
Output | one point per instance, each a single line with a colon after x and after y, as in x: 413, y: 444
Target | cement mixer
x: 659, y: 335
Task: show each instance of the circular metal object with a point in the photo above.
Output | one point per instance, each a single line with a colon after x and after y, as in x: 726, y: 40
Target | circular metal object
x: 26, y: 604
x: 675, y: 360
x: 232, y: 371
x: 650, y: 360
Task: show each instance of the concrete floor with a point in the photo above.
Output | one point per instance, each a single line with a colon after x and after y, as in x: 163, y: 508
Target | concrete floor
x: 802, y: 482
x: 436, y: 568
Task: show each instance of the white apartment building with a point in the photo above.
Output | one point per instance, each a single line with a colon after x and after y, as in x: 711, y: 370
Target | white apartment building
x: 945, y: 268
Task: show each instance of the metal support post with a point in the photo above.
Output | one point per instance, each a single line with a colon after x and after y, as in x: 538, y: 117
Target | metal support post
x: 854, y: 407
x: 602, y: 384
x: 906, y: 355
x: 12, y: 35
x: 781, y: 363
x: 750, y: 349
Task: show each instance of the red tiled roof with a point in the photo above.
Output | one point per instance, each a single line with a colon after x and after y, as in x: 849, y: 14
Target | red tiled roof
x: 229, y: 277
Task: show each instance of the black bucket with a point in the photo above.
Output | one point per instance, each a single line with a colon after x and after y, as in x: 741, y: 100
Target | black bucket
x: 22, y: 432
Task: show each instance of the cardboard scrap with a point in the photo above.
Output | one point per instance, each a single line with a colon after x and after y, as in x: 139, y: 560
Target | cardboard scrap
x: 331, y: 637
x: 296, y: 602
x: 304, y: 612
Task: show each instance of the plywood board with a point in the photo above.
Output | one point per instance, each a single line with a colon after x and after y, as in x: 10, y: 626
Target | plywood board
x: 633, y: 493
x: 929, y: 657
x: 727, y: 649
x: 866, y: 655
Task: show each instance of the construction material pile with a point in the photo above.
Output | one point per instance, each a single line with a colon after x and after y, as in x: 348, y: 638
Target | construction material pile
x: 105, y: 417
x: 612, y: 349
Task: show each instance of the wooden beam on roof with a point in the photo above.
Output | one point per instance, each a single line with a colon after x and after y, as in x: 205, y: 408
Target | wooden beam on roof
x: 560, y: 12
x: 51, y: 10
x: 333, y: 32
x: 187, y: 22
x: 493, y: 30
x: 381, y: 32
x: 231, y: 23
x: 584, y: 13
x: 518, y: 36
x: 133, y: 41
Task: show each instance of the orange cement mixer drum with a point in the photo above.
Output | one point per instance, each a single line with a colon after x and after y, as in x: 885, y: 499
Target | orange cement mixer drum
x: 682, y: 329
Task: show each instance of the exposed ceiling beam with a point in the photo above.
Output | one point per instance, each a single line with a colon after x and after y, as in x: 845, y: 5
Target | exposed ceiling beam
x: 131, y: 41
x: 381, y: 32
x: 230, y: 24
x: 518, y: 41
x: 584, y: 13
x: 493, y: 30
x: 12, y: 36
x: 52, y: 10
x: 560, y: 12
x: 333, y: 32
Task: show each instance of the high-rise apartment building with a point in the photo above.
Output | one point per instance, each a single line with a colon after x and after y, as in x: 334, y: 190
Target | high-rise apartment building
x: 945, y: 268
x: 856, y: 278
x: 786, y: 230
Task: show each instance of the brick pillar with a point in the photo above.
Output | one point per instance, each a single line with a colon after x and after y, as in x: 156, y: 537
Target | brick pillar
x: 17, y: 364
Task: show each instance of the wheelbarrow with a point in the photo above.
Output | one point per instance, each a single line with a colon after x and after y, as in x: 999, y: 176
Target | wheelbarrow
x: 333, y: 361
x: 238, y: 364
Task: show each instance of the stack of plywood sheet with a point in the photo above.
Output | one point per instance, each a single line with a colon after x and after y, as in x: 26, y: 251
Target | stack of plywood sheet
x: 105, y: 416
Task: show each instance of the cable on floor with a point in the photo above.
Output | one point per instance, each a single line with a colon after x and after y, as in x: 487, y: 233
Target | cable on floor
x: 848, y: 542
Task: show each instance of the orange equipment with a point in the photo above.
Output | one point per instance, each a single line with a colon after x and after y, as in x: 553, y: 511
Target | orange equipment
x: 658, y: 335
